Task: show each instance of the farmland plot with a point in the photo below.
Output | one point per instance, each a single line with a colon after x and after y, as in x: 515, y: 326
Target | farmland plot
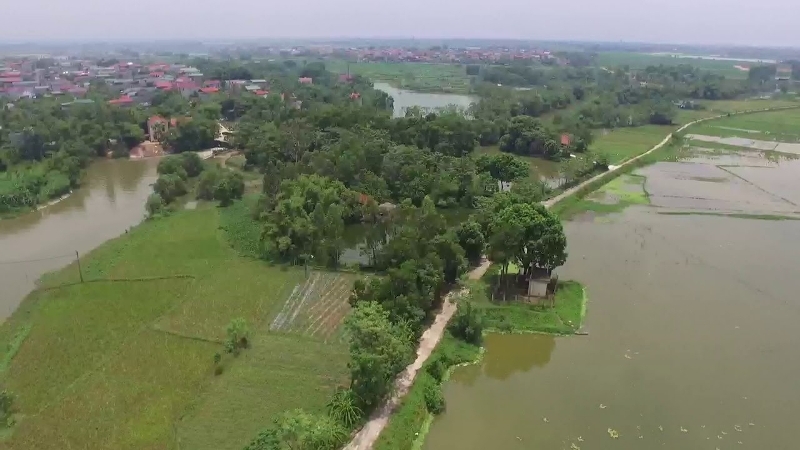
x: 317, y: 307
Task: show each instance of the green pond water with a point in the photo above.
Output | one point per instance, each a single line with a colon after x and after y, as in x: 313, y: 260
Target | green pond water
x: 692, y: 329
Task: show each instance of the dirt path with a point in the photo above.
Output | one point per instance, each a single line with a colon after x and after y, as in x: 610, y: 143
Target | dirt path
x: 367, y: 436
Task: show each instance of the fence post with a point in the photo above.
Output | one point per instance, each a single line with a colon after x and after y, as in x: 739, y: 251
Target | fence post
x: 80, y: 272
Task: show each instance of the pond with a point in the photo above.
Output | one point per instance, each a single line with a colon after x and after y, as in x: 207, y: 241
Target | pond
x: 692, y: 319
x: 110, y: 200
x: 355, y: 236
x: 404, y: 99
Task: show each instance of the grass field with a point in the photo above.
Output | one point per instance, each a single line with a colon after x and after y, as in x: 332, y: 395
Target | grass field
x: 769, y: 126
x: 642, y: 60
x: 625, y: 143
x: 421, y: 77
x: 129, y: 364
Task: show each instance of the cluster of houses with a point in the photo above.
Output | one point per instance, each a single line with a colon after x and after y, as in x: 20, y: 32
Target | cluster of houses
x: 137, y: 83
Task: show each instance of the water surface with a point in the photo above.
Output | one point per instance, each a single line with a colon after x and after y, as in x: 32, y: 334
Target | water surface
x: 692, y: 341
x: 404, y: 99
x: 110, y: 200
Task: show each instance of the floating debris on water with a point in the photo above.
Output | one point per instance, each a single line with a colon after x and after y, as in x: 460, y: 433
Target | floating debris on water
x: 627, y: 356
x: 719, y: 437
x: 737, y: 428
x: 602, y: 406
x: 574, y: 447
x: 684, y: 430
x: 580, y: 439
x: 724, y: 433
x: 613, y: 433
x: 751, y: 424
x: 544, y: 419
x: 702, y: 426
x: 660, y: 428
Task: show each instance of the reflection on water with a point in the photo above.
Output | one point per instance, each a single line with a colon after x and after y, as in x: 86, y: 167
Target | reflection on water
x: 110, y: 200
x: 507, y: 355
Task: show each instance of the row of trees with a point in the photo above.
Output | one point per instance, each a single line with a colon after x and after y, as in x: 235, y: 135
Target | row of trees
x: 44, y: 147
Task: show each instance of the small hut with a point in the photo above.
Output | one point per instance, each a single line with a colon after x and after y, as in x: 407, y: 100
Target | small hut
x: 542, y: 284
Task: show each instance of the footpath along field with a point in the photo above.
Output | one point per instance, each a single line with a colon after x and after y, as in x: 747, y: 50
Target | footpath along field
x: 133, y: 359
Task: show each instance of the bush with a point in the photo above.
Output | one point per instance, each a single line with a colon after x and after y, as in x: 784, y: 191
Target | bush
x: 169, y: 187
x: 467, y: 324
x: 238, y: 334
x: 6, y: 409
x: 172, y: 165
x: 191, y: 163
x: 343, y: 409
x: 434, y: 399
x: 229, y: 187
x: 155, y: 205
x: 208, y: 184
x: 437, y: 368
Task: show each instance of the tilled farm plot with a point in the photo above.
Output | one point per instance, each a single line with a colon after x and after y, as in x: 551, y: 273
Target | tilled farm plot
x: 317, y: 307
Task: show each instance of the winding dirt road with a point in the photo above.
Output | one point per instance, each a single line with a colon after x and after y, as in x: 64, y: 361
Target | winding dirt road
x: 367, y: 436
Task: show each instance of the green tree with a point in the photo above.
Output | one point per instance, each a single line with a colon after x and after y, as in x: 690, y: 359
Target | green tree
x: 229, y: 187
x: 379, y: 350
x: 471, y: 239
x: 169, y: 187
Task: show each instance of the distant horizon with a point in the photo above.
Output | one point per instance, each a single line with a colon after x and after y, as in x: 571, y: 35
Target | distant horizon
x: 767, y: 23
x: 355, y: 38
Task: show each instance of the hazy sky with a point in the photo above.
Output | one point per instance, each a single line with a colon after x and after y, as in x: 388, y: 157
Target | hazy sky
x: 762, y: 22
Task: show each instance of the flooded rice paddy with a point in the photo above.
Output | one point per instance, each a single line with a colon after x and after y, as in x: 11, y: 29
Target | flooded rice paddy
x: 692, y: 325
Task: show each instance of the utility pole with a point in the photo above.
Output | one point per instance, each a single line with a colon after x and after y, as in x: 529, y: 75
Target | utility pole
x: 78, y: 258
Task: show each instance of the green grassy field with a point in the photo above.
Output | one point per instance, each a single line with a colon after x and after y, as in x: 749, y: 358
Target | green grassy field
x: 421, y: 77
x: 129, y: 364
x: 769, y: 126
x: 625, y: 143
x: 642, y: 60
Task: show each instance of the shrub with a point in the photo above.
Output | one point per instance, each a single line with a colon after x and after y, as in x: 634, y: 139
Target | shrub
x: 155, y: 205
x: 229, y: 187
x: 343, y: 408
x: 208, y: 184
x: 191, y: 163
x: 437, y: 369
x: 6, y: 409
x: 172, y: 165
x: 169, y: 187
x: 238, y: 334
x: 467, y: 324
x: 434, y: 399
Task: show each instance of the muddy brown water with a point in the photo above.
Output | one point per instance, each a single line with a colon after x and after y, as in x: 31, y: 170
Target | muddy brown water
x: 110, y: 200
x: 692, y: 336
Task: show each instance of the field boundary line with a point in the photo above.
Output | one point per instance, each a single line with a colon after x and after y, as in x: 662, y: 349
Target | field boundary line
x: 186, y: 336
